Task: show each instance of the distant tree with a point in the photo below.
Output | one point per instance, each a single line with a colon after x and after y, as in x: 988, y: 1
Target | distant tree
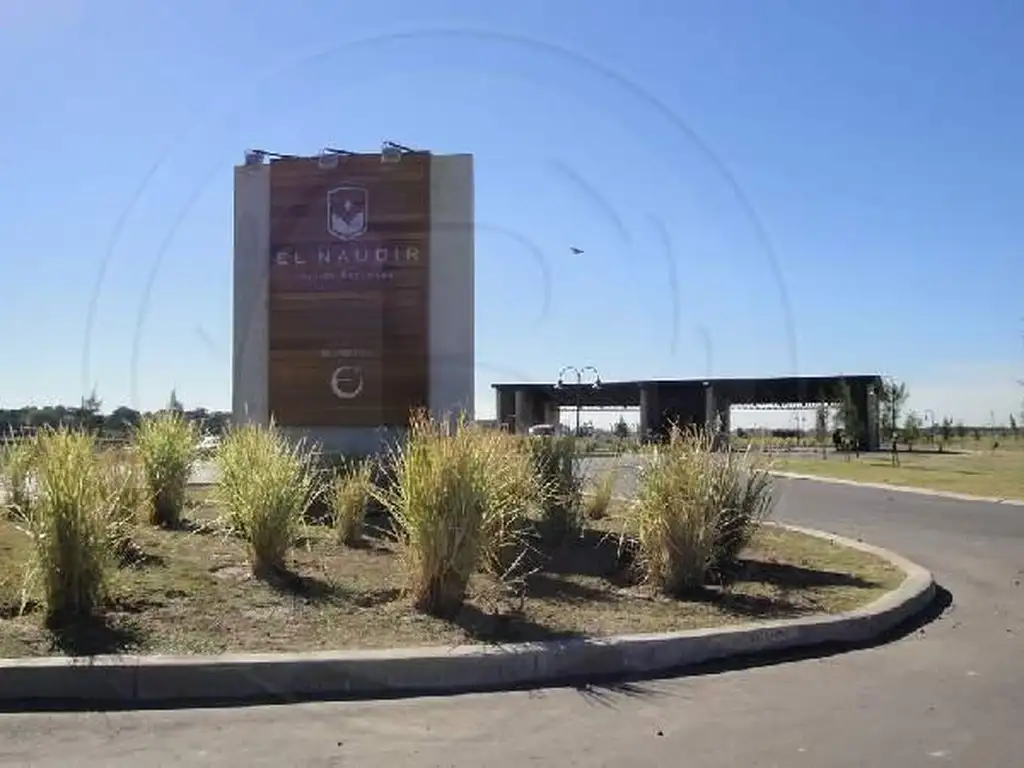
x: 117, y: 424
x: 201, y: 417
x: 89, y: 416
x: 1013, y: 427
x: 976, y: 434
x: 218, y: 422
x: 621, y: 429
x: 945, y: 433
x: 911, y: 430
x: 173, y: 403
x: 892, y: 396
x: 961, y: 430
x: 821, y: 427
x: 92, y: 403
x: 121, y: 421
x: 847, y: 417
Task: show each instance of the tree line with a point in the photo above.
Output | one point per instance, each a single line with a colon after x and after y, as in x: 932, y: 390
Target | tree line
x: 896, y: 424
x: 116, y: 424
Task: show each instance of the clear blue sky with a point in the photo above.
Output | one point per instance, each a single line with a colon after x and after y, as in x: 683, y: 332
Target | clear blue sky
x: 761, y: 188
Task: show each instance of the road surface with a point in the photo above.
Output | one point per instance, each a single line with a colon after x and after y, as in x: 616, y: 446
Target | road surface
x: 205, y: 472
x: 948, y: 694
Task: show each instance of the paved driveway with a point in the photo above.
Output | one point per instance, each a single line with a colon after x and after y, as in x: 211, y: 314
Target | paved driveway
x: 951, y: 693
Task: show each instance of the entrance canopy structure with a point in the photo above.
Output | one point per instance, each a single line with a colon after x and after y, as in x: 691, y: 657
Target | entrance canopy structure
x: 702, y: 402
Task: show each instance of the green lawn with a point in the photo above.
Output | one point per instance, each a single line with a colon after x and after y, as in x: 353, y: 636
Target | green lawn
x: 982, y: 472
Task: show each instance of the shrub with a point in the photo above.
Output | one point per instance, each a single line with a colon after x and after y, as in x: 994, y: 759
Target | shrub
x: 555, y: 463
x: 167, y: 446
x: 266, y: 484
x: 70, y: 522
x: 600, y: 498
x: 456, y: 494
x: 695, y: 510
x: 17, y: 459
x: 350, y: 494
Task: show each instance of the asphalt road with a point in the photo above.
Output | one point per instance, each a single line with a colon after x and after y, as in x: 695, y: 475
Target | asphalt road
x: 205, y: 472
x: 949, y: 693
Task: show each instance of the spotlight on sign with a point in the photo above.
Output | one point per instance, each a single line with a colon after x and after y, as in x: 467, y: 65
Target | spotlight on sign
x: 390, y: 154
x: 327, y: 159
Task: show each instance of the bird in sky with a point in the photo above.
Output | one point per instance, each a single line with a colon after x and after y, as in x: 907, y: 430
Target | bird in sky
x: 575, y: 251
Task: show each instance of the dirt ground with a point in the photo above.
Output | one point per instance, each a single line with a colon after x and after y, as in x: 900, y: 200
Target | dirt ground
x: 190, y: 592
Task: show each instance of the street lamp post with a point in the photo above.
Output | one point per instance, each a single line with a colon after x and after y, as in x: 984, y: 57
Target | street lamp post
x: 579, y: 374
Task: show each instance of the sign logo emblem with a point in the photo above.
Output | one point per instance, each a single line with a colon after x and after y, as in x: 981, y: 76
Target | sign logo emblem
x: 347, y: 382
x: 347, y: 210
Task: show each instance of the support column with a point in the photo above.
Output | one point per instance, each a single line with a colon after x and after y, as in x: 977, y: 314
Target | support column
x: 709, y: 407
x: 531, y: 409
x: 866, y: 423
x: 872, y: 422
x: 552, y: 414
x: 450, y: 327
x: 538, y: 409
x: 650, y: 411
x: 251, y: 355
x: 873, y: 436
x: 724, y: 426
x: 522, y: 411
x: 505, y: 410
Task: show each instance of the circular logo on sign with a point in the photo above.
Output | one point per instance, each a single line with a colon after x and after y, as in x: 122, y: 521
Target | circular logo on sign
x: 347, y: 382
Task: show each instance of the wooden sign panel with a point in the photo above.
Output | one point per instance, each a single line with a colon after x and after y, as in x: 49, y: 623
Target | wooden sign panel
x: 348, y: 294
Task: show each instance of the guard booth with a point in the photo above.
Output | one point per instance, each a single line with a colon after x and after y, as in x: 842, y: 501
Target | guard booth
x: 688, y: 402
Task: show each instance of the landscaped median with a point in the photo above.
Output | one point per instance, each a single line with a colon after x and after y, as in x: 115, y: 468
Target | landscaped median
x: 551, y: 594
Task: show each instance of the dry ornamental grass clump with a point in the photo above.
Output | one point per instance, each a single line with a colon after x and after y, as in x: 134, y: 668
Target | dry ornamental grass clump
x: 266, y: 485
x: 168, y: 447
x: 555, y: 463
x: 124, y: 485
x: 695, y: 510
x: 600, y: 498
x: 74, y: 523
x: 350, y: 494
x: 17, y: 458
x: 457, y: 495
x: 515, y: 494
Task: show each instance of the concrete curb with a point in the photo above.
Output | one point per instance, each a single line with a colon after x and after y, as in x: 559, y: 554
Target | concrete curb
x: 901, y: 489
x: 152, y: 680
